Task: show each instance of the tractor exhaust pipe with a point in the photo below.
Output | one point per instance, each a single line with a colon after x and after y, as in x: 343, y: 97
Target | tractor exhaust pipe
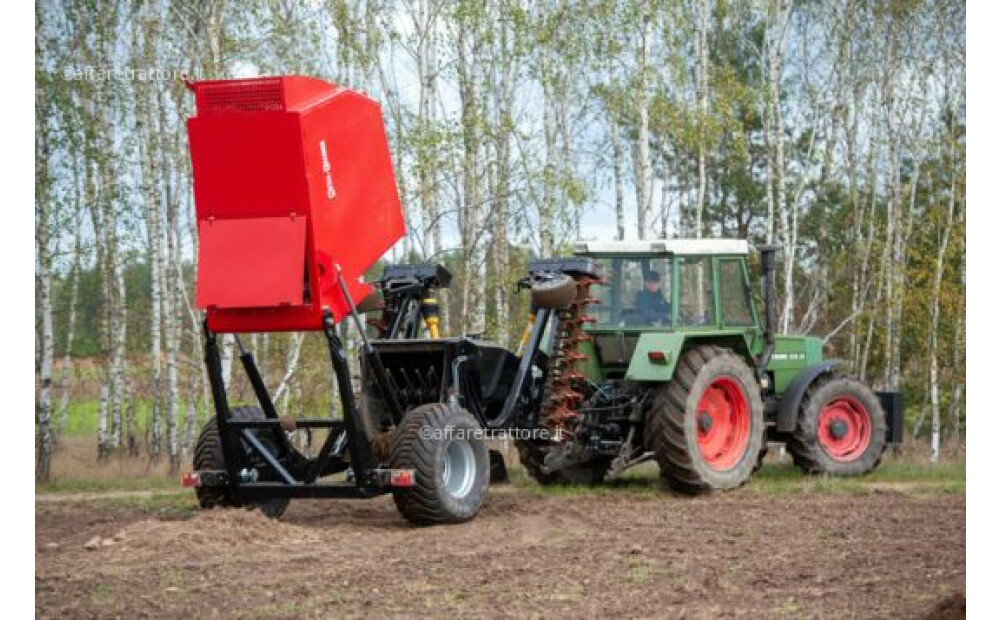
x: 767, y: 255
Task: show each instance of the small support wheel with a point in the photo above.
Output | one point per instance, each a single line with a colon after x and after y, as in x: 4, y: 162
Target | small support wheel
x: 444, y: 447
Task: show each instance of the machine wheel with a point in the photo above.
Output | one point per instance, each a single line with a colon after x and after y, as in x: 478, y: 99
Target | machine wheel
x: 707, y: 424
x: 840, y: 430
x: 451, y: 464
x: 208, y: 455
x: 558, y: 292
x: 532, y: 455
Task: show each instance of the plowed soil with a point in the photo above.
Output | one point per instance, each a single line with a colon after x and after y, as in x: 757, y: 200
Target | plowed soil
x: 882, y: 553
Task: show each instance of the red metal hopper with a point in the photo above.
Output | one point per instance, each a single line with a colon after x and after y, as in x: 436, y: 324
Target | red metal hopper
x: 292, y: 176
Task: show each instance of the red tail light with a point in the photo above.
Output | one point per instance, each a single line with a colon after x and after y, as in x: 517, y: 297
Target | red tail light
x: 401, y: 478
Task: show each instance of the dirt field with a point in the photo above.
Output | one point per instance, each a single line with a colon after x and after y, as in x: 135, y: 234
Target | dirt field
x: 882, y: 552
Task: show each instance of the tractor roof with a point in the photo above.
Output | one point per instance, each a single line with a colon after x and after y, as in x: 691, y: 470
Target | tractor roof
x: 662, y: 247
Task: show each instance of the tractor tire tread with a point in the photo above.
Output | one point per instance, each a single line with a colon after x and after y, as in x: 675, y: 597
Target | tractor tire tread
x: 666, y: 415
x: 803, y: 444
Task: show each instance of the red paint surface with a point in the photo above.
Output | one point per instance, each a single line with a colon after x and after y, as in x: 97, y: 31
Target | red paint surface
x: 852, y: 414
x: 725, y: 442
x: 265, y: 198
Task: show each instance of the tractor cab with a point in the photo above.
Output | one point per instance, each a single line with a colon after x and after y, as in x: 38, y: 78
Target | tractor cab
x: 674, y: 285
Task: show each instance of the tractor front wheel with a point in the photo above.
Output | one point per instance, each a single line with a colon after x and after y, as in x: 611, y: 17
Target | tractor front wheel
x: 706, y: 426
x: 840, y: 430
x: 444, y: 447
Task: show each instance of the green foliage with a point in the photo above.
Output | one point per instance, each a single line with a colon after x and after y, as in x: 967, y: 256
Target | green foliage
x: 578, y: 63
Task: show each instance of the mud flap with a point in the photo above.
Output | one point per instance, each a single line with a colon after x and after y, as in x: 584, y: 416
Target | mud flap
x: 895, y: 410
x: 498, y: 469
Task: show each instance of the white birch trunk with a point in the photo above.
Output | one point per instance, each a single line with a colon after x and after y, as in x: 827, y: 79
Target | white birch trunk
x: 702, y: 72
x: 935, y: 316
x: 291, y: 365
x: 156, y: 269
x: 502, y: 188
x: 644, y: 180
x: 776, y: 57
x: 425, y: 25
x: 67, y: 362
x: 44, y: 402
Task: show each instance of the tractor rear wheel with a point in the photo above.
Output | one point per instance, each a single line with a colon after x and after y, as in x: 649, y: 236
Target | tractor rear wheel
x: 840, y: 430
x: 208, y: 456
x: 443, y: 446
x: 706, y: 426
x: 531, y: 456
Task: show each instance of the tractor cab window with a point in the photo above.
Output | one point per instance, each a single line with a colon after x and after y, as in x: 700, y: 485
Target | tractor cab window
x: 636, y: 293
x: 696, y: 299
x: 734, y: 294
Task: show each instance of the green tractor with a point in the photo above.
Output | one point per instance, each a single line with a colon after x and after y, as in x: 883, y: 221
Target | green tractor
x: 669, y: 356
x: 638, y: 351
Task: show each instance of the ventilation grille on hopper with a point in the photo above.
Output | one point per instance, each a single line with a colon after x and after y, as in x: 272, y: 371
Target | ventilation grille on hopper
x: 250, y: 96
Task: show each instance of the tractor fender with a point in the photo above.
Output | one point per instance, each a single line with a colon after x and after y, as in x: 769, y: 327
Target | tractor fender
x: 789, y: 408
x: 665, y: 347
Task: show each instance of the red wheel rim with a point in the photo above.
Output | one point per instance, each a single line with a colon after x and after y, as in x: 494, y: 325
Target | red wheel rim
x: 723, y: 423
x: 845, y: 429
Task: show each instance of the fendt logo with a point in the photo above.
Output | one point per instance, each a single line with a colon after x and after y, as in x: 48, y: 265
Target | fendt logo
x: 331, y: 193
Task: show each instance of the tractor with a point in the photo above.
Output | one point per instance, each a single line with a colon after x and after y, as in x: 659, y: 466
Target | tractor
x: 634, y: 351
x: 651, y: 350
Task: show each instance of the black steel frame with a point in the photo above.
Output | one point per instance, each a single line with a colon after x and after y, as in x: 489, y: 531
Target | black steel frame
x: 301, y: 481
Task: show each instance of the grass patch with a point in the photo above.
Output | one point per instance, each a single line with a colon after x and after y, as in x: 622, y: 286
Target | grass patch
x: 891, y: 470
x: 182, y: 504
x: 638, y: 573
x: 82, y: 415
x: 909, y: 476
x: 107, y: 484
x: 900, y: 470
x: 904, y: 475
x: 805, y: 485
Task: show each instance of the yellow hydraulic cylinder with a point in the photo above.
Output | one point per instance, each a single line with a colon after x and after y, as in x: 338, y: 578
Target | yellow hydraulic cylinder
x: 431, y: 311
x: 526, y: 335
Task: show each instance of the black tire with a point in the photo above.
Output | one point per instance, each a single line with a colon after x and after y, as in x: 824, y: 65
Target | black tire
x: 208, y: 455
x: 558, y: 292
x: 532, y: 456
x: 672, y: 420
x: 809, y: 453
x: 451, y: 464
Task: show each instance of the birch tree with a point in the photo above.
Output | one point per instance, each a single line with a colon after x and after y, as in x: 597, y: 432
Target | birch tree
x: 43, y: 246
x: 702, y: 72
x: 644, y: 165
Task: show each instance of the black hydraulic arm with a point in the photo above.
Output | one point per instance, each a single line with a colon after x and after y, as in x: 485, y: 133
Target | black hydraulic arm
x: 362, y: 459
x: 372, y: 358
x: 523, y: 375
x: 260, y: 390
x: 214, y: 365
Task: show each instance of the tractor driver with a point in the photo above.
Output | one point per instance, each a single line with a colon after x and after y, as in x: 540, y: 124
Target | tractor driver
x: 649, y: 302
